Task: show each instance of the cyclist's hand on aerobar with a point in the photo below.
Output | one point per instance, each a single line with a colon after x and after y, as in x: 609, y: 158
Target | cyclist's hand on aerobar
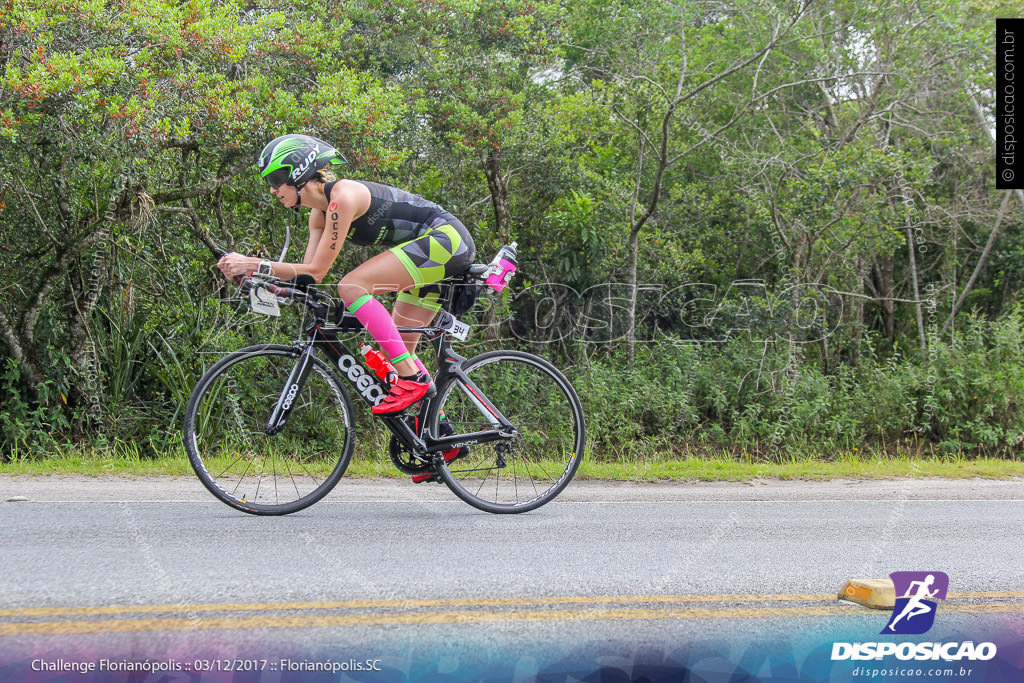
x: 234, y: 264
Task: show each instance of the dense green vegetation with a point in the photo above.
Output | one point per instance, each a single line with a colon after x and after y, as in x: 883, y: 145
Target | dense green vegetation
x: 762, y: 230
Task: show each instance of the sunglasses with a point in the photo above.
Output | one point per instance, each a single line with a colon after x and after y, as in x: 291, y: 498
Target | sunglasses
x: 277, y: 178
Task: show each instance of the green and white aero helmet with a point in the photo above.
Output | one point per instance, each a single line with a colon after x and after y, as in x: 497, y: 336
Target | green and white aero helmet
x: 294, y: 159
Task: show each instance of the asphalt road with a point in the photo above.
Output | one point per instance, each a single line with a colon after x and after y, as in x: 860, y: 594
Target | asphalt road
x: 407, y: 573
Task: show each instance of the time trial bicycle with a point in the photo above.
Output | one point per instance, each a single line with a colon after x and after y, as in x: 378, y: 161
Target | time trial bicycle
x: 270, y: 428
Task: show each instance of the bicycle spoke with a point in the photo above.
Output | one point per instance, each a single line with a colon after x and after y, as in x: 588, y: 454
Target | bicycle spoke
x: 228, y: 467
x: 273, y: 464
x: 259, y: 478
x: 242, y: 478
x: 515, y: 480
x: 303, y: 466
x: 482, y: 482
x: 539, y: 464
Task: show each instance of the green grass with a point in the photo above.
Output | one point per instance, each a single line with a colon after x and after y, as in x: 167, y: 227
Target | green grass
x: 702, y: 469
x: 124, y: 460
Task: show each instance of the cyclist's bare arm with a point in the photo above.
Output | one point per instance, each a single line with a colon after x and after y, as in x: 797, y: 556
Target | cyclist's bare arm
x: 341, y: 210
x: 316, y: 231
x: 323, y: 248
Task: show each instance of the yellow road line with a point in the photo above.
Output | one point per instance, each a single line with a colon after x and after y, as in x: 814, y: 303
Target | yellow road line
x: 465, y: 617
x: 992, y: 608
x: 469, y: 602
x: 76, y: 627
x: 364, y: 604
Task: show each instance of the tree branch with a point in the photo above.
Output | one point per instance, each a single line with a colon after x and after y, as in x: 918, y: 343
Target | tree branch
x: 858, y: 295
x: 741, y: 65
x: 743, y: 110
x: 641, y: 132
x: 203, y: 188
x: 981, y: 262
x: 31, y: 197
x: 194, y: 224
x: 70, y: 251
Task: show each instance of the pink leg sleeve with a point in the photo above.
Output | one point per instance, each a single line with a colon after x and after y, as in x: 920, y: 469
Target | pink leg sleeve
x: 377, y: 321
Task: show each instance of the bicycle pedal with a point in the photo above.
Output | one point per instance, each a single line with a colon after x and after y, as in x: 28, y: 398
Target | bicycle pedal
x: 421, y: 478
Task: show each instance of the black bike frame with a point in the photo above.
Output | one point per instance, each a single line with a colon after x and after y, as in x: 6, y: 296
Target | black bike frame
x: 324, y: 337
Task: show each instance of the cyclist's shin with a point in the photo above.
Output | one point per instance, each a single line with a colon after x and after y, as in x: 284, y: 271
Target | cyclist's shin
x: 419, y: 364
x: 377, y: 321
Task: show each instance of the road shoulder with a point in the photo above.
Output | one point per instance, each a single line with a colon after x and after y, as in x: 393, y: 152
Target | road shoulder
x: 84, y: 488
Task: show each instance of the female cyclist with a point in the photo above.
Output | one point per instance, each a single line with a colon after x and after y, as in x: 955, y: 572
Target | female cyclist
x: 425, y: 244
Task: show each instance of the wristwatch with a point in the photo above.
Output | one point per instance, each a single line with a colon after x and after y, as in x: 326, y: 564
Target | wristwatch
x: 264, y: 268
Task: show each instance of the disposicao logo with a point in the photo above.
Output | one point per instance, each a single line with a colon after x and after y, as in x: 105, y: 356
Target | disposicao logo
x: 916, y: 595
x: 913, y: 614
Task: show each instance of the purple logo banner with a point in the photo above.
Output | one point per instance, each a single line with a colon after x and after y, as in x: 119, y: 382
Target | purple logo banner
x: 917, y: 594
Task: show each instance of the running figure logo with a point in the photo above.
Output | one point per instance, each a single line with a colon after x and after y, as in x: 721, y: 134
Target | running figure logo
x: 914, y: 612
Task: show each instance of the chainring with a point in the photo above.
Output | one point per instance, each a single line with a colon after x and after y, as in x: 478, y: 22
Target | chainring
x: 404, y: 460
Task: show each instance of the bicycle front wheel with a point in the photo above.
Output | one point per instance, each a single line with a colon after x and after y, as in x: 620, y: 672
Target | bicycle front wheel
x: 227, y: 441
x: 532, y: 468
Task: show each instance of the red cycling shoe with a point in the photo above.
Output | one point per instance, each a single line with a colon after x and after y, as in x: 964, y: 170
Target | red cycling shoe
x: 444, y: 429
x: 449, y: 455
x: 404, y: 392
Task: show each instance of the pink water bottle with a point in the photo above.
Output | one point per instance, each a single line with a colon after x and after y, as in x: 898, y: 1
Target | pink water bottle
x: 502, y: 267
x: 378, y: 363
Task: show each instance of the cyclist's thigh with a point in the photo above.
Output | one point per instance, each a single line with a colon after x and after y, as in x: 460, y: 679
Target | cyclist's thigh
x: 420, y: 303
x: 381, y: 273
x: 446, y: 249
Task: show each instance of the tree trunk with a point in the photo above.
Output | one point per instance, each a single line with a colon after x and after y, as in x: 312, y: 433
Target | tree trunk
x: 634, y: 254
x: 858, y: 309
x: 22, y: 353
x: 491, y: 163
x: 634, y: 250
x: 917, y: 294
x: 885, y: 271
x: 84, y: 290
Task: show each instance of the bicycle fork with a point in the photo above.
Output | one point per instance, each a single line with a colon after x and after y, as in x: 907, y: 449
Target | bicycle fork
x: 285, y: 402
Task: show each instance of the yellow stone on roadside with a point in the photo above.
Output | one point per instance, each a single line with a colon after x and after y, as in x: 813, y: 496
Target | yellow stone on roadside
x: 873, y: 593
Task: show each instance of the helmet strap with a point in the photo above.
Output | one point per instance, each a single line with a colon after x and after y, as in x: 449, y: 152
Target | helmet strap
x: 298, y: 196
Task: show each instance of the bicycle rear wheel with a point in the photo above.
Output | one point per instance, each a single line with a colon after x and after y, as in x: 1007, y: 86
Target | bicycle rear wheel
x: 532, y: 468
x: 228, y: 446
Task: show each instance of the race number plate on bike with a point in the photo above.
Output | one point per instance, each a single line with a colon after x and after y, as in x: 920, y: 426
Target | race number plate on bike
x: 459, y: 329
x: 263, y: 302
